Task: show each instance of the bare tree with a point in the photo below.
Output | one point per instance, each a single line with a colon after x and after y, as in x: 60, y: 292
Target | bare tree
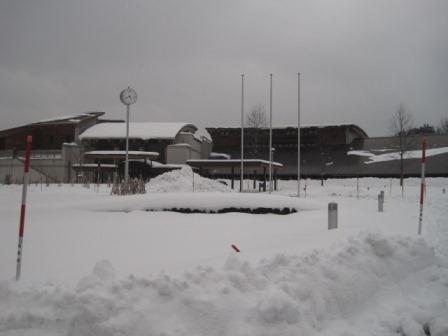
x: 256, y: 119
x: 401, y: 123
x: 443, y: 128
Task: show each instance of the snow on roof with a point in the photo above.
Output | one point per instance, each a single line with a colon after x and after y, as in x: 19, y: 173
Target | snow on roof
x: 72, y: 119
x: 137, y: 130
x: 414, y: 154
x: 203, y: 133
x: 234, y: 161
x: 100, y: 153
x: 214, y: 155
x: 93, y: 165
x: 180, y: 145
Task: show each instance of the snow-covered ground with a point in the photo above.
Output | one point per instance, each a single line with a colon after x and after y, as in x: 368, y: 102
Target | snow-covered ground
x: 96, y: 264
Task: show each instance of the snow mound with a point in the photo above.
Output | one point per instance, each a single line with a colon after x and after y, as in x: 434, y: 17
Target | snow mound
x: 358, y: 288
x: 181, y: 180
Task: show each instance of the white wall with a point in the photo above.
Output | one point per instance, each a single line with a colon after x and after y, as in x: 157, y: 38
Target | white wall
x: 200, y: 149
x: 179, y: 153
x: 52, y: 166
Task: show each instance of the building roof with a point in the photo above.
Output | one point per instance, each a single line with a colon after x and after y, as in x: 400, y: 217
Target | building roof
x: 232, y: 163
x: 72, y: 119
x: 120, y: 154
x: 354, y: 127
x: 141, y: 130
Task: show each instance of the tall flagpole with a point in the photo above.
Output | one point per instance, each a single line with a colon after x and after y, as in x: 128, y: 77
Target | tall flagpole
x: 242, y: 134
x: 270, y: 135
x: 298, y: 136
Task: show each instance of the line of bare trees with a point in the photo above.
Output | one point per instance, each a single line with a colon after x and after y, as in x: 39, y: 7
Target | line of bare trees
x: 402, y: 126
x: 256, y: 119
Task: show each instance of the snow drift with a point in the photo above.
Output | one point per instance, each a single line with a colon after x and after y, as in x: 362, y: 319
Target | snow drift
x: 318, y: 293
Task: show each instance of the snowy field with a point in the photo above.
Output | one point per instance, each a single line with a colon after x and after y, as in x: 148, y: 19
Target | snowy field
x: 96, y: 264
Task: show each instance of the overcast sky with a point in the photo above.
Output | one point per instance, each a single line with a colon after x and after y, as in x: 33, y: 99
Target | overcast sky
x: 358, y: 59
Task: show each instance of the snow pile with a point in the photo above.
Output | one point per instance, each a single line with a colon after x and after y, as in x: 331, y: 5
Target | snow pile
x: 343, y: 292
x: 182, y: 180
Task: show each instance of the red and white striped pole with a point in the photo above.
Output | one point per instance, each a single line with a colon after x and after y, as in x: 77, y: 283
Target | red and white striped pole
x: 422, y: 186
x: 29, y: 140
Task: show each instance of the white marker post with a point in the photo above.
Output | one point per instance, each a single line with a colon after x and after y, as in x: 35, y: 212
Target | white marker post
x: 332, y: 215
x: 422, y: 186
x: 29, y: 141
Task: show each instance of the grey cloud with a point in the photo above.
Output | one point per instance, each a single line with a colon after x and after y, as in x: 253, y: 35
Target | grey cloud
x: 358, y: 59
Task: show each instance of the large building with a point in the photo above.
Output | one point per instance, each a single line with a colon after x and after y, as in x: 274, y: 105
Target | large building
x: 74, y: 148
x: 333, y: 151
x: 55, y: 148
x: 154, y: 146
x: 85, y: 146
x: 316, y: 143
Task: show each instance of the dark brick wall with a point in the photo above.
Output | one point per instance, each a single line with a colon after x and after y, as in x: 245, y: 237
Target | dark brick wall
x: 44, y: 137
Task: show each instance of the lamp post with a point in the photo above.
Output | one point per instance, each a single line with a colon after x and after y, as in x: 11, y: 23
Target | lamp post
x: 128, y: 97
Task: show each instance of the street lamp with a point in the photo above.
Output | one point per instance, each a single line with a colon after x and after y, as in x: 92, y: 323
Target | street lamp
x: 128, y: 97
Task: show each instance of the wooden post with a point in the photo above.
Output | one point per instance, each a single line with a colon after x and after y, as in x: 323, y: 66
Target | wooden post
x: 264, y: 178
x: 232, y: 176
x: 275, y: 179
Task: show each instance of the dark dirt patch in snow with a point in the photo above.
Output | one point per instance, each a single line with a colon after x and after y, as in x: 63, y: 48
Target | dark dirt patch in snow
x: 258, y: 211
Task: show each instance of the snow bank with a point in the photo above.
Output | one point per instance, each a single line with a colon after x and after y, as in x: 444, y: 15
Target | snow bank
x: 182, y: 180
x: 320, y: 293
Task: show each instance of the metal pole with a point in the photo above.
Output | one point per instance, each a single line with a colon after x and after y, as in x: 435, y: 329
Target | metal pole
x: 298, y: 136
x: 270, y: 135
x: 126, y: 165
x: 422, y: 186
x: 242, y: 134
x: 29, y: 141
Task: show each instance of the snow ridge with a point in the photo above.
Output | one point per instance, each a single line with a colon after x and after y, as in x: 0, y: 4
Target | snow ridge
x: 285, y: 295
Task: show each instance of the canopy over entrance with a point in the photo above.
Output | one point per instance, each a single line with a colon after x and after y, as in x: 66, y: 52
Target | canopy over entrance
x: 254, y: 169
x: 120, y: 155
